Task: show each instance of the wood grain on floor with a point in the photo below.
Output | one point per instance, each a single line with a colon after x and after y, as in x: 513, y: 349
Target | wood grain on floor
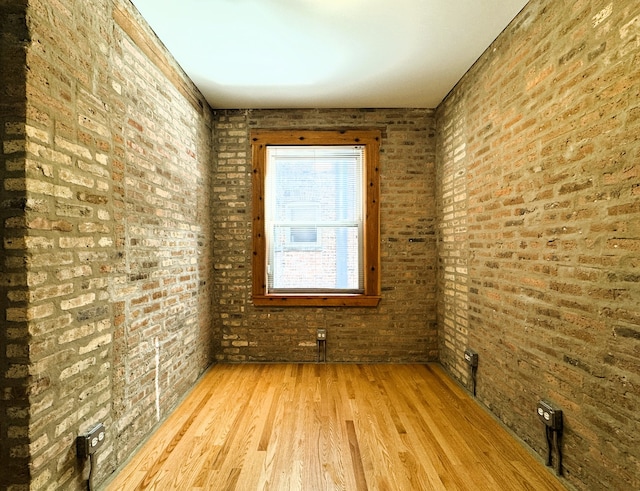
x: 331, y: 427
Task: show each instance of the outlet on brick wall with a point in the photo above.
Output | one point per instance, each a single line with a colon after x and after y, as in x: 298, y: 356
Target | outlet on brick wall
x: 537, y: 220
x: 408, y: 252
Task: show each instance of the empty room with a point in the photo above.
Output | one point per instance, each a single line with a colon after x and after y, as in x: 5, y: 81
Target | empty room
x: 320, y: 244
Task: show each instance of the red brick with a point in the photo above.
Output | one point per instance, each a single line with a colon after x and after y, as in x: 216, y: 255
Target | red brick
x: 576, y: 207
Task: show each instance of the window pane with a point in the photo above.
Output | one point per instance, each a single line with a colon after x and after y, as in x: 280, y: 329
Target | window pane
x: 333, y: 266
x: 314, y: 218
x: 307, y: 235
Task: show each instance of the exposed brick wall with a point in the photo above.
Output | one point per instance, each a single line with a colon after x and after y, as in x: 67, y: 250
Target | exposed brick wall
x: 539, y: 238
x: 403, y: 327
x: 108, y: 267
x: 453, y: 251
x: 14, y: 338
x: 163, y: 298
x: 110, y: 288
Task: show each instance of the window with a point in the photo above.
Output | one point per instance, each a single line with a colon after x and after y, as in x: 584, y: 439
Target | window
x: 303, y: 218
x: 313, y: 218
x: 316, y: 218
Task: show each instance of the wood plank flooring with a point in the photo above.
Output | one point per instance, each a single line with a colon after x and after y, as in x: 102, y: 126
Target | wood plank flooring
x: 331, y: 427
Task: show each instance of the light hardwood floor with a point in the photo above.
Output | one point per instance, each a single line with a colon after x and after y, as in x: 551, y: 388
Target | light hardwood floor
x: 325, y: 427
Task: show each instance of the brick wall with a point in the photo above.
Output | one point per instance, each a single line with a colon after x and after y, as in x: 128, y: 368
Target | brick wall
x: 453, y: 250
x: 14, y: 403
x: 403, y: 327
x: 108, y: 260
x: 114, y: 302
x: 539, y: 231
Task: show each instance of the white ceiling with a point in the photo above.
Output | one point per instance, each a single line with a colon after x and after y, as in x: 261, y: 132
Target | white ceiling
x: 327, y: 53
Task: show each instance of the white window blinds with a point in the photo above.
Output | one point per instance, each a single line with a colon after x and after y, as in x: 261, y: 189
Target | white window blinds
x: 314, y: 219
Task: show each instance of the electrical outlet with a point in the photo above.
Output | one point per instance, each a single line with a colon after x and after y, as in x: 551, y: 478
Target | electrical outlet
x: 471, y: 357
x: 549, y: 415
x: 90, y: 442
x: 321, y: 334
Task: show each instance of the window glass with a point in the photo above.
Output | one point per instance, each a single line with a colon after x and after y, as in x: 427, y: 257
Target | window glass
x: 313, y: 218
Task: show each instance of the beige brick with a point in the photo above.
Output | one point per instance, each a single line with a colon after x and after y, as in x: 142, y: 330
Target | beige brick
x: 17, y: 351
x: 12, y: 279
x: 48, y: 189
x: 48, y: 154
x: 74, y: 272
x: 73, y: 148
x: 13, y: 146
x: 14, y: 128
x: 14, y: 184
x: 14, y: 432
x: 48, y: 292
x: 76, y: 368
x: 95, y: 343
x: 36, y: 168
x: 41, y: 327
x: 30, y: 313
x: 98, y: 387
x: 94, y: 126
x: 76, y: 242
x: 16, y: 371
x: 74, y: 178
x: 78, y: 301
x: 76, y: 333
x: 37, y: 278
x: 37, y: 134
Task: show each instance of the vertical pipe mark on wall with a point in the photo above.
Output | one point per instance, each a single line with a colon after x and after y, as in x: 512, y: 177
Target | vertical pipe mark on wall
x: 157, y: 343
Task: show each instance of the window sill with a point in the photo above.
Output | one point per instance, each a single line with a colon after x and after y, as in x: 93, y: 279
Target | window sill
x: 316, y: 300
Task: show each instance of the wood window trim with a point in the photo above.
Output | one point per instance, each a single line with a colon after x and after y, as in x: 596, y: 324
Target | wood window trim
x: 260, y: 140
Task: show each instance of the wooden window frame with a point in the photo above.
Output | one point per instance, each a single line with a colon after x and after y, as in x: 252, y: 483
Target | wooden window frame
x: 370, y: 139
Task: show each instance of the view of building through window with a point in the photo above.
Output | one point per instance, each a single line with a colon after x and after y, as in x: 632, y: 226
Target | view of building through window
x: 314, y: 218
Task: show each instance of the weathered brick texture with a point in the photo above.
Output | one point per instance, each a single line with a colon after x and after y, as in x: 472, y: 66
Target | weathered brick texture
x: 402, y: 328
x: 539, y: 231
x: 106, y: 151
x: 14, y: 337
x: 510, y: 220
